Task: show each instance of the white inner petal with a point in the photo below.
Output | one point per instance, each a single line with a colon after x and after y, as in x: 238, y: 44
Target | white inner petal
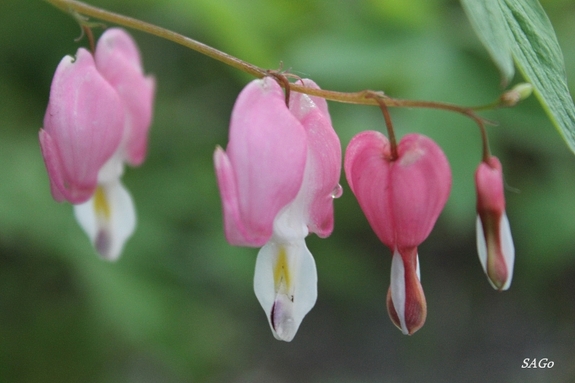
x: 108, y: 218
x: 397, y: 286
x: 481, y: 244
x: 112, y: 170
x: 285, y: 278
x: 291, y: 222
x: 507, y: 248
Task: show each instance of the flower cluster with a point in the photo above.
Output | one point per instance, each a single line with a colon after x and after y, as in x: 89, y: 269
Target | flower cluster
x: 98, y: 117
x: 278, y: 178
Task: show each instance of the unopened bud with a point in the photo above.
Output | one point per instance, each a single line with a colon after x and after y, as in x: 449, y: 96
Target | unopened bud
x: 494, y: 241
x: 518, y: 93
x: 406, y: 303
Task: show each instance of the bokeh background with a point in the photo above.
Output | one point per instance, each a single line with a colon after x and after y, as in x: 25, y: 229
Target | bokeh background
x: 179, y: 305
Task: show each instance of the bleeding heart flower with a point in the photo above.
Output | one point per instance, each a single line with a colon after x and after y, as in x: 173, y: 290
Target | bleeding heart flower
x: 97, y: 119
x: 118, y: 60
x: 494, y: 241
x: 277, y: 179
x: 402, y: 198
x: 83, y: 127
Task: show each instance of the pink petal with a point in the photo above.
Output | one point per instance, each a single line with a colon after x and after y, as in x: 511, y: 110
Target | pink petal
x: 402, y: 198
x: 368, y: 172
x: 489, y: 186
x: 118, y: 60
x: 323, y: 166
x: 234, y: 227
x: 303, y: 104
x: 421, y: 182
x: 53, y: 165
x: 84, y: 123
x: 267, y: 153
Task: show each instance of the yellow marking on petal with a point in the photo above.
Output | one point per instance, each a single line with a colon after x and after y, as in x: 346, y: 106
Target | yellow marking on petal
x: 282, y: 277
x: 101, y: 205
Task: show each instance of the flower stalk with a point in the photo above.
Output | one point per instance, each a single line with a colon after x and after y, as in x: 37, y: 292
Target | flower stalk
x: 364, y: 97
x: 388, y: 124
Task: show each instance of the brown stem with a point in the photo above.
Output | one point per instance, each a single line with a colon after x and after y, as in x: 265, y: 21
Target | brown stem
x: 385, y: 110
x: 284, y: 83
x: 88, y: 10
x: 88, y: 31
x: 486, y: 152
x: 72, y: 6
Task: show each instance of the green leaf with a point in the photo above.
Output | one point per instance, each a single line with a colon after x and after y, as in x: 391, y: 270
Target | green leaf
x: 488, y: 22
x: 522, y: 29
x: 539, y: 58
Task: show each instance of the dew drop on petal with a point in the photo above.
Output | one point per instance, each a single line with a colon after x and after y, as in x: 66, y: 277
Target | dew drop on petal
x: 337, y: 191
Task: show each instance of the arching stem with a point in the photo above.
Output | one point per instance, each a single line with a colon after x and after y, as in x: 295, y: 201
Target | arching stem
x: 79, y: 8
x: 98, y: 13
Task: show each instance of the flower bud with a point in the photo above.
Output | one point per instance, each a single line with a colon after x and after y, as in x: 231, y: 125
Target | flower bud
x: 518, y: 93
x: 402, y: 199
x: 494, y: 241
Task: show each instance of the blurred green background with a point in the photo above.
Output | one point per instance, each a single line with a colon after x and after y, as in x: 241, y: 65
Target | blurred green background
x: 179, y: 305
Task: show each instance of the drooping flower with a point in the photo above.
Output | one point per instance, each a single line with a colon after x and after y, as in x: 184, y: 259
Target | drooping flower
x: 401, y: 198
x: 78, y: 137
x: 277, y: 179
x: 494, y: 241
x: 97, y: 119
x: 118, y: 60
